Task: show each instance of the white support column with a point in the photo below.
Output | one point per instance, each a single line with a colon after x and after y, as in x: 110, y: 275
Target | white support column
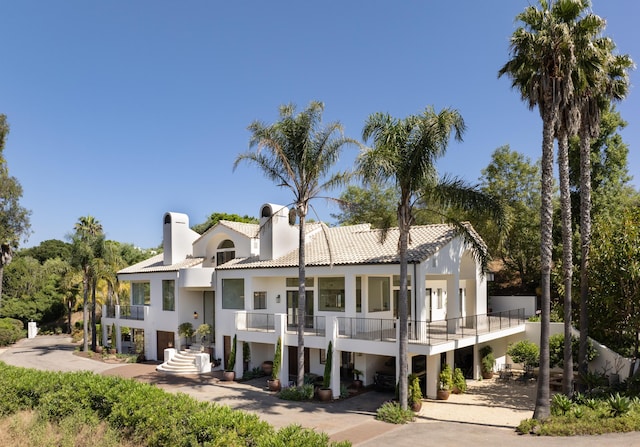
x: 332, y: 336
x: 280, y: 325
x: 433, y: 372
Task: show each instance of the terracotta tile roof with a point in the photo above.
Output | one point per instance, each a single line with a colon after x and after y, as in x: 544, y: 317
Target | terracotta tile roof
x: 155, y: 264
x: 358, y: 244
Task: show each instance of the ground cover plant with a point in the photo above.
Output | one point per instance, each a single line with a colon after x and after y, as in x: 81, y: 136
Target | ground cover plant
x: 592, y: 413
x: 136, y: 413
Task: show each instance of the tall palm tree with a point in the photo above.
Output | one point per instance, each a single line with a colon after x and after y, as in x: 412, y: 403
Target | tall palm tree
x: 298, y: 153
x: 404, y: 151
x: 86, y: 246
x: 597, y: 87
x: 541, y: 52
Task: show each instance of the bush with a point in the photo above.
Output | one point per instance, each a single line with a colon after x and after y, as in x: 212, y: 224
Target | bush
x: 525, y: 352
x: 392, y: 413
x: 11, y: 330
x: 304, y: 392
x: 556, y: 350
x: 459, y: 381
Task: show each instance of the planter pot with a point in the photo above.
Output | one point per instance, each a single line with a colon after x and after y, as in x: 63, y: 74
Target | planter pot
x: 267, y: 368
x: 455, y: 390
x: 113, y: 351
x: 416, y: 406
x: 98, y: 349
x: 487, y: 374
x: 325, y: 394
x: 357, y: 384
x: 274, y: 384
x: 229, y: 376
x: 442, y: 394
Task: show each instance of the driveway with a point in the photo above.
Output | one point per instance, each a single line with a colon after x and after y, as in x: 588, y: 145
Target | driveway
x: 487, y: 413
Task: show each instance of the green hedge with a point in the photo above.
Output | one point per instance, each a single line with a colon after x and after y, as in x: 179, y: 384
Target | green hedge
x: 143, y: 413
x: 11, y: 330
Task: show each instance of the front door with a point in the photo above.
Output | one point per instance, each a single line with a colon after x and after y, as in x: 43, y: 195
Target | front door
x: 293, y: 360
x: 164, y: 340
x: 292, y: 308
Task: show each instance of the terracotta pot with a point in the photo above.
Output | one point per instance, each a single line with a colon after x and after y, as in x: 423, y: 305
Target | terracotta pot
x: 267, y: 367
x: 274, y: 384
x: 325, y: 394
x: 416, y: 406
x: 487, y: 374
x: 98, y: 349
x: 442, y: 394
x: 113, y: 351
x: 455, y: 390
x: 229, y: 376
x: 357, y: 384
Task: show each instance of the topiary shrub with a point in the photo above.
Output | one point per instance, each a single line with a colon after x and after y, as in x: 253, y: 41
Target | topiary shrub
x: 525, y: 352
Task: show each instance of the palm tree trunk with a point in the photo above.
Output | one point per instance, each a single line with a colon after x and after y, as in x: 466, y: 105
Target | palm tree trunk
x: 85, y: 313
x: 585, y: 246
x: 404, y: 222
x: 302, y: 296
x: 94, y: 335
x: 567, y: 258
x: 542, y: 408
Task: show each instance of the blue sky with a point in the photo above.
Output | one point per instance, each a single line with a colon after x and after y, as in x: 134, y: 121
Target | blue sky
x: 125, y: 110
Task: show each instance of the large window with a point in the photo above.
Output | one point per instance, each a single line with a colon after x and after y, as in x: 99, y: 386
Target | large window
x: 140, y: 294
x: 226, y: 252
x: 259, y: 300
x: 331, y: 292
x: 233, y: 293
x: 358, y: 293
x: 396, y: 294
x: 379, y: 294
x: 294, y: 282
x: 168, y: 294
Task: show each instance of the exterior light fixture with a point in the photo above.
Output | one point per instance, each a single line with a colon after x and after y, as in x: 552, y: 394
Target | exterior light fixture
x: 195, y: 315
x: 278, y: 298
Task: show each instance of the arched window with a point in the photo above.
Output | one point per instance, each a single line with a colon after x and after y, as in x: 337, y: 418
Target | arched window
x: 226, y: 252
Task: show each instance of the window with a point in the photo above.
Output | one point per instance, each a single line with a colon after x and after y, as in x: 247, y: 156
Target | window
x: 293, y: 282
x: 379, y: 292
x: 233, y: 293
x: 140, y: 294
x: 396, y: 280
x: 358, y: 293
x: 331, y: 294
x: 259, y: 300
x: 396, y: 293
x: 168, y: 294
x: 226, y: 252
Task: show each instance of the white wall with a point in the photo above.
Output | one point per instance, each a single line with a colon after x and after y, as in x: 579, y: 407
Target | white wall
x: 503, y: 303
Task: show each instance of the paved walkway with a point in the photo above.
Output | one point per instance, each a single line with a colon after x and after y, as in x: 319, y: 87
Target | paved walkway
x: 489, y: 412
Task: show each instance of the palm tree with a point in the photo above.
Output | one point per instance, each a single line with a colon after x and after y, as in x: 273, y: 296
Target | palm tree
x: 298, y: 153
x: 540, y: 68
x: 86, y: 246
x: 597, y: 89
x: 404, y: 152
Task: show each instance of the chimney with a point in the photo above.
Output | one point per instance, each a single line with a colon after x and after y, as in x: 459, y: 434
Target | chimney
x: 278, y: 236
x: 177, y: 238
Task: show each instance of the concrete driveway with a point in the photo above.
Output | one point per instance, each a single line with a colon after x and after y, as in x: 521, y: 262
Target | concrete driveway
x: 485, y: 415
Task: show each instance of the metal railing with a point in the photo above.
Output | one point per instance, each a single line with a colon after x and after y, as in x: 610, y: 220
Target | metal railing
x: 259, y: 322
x: 430, y: 332
x: 313, y: 325
x: 132, y: 312
x: 111, y: 311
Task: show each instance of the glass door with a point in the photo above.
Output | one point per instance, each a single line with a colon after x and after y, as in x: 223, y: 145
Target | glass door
x: 292, y: 308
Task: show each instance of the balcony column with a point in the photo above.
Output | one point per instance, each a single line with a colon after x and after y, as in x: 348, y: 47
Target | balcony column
x: 453, y: 303
x: 433, y: 371
x: 332, y: 336
x: 118, y: 334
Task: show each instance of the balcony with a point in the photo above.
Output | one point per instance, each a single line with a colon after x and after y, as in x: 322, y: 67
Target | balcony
x: 132, y: 312
x: 264, y: 322
x: 430, y: 332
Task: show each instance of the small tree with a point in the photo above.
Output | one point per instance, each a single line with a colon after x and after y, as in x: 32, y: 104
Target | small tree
x: 525, y: 352
x: 277, y: 360
x: 487, y: 360
x: 459, y: 382
x: 446, y: 379
x: 231, y: 363
x: 186, y: 330
x: 326, y: 379
x: 415, y: 393
x: 203, y: 330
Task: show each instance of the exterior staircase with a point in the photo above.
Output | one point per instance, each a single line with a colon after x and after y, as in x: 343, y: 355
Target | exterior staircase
x: 184, y: 362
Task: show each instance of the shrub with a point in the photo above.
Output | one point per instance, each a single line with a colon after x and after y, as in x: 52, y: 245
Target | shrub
x: 415, y: 393
x: 525, y: 352
x: 277, y: 359
x: 393, y: 413
x: 231, y: 363
x: 619, y: 405
x: 556, y: 350
x: 297, y: 393
x: 445, y: 377
x: 326, y: 378
x: 560, y: 405
x: 487, y: 359
x: 459, y: 381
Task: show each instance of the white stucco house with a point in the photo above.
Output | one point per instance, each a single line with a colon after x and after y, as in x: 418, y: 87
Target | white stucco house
x: 242, y: 280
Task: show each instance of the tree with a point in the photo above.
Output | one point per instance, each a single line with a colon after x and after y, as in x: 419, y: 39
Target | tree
x: 540, y: 68
x: 214, y: 218
x: 87, y: 242
x: 298, y: 153
x: 374, y: 205
x: 513, y: 177
x: 404, y: 152
x: 609, y: 81
x: 14, y: 219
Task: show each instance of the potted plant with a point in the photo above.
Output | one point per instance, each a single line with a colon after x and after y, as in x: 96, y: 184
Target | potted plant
x: 229, y: 373
x: 186, y: 330
x: 459, y: 382
x: 357, y: 383
x: 415, y: 393
x: 246, y: 356
x: 325, y: 393
x: 487, y: 361
x: 203, y: 330
x: 445, y: 382
x: 274, y: 382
